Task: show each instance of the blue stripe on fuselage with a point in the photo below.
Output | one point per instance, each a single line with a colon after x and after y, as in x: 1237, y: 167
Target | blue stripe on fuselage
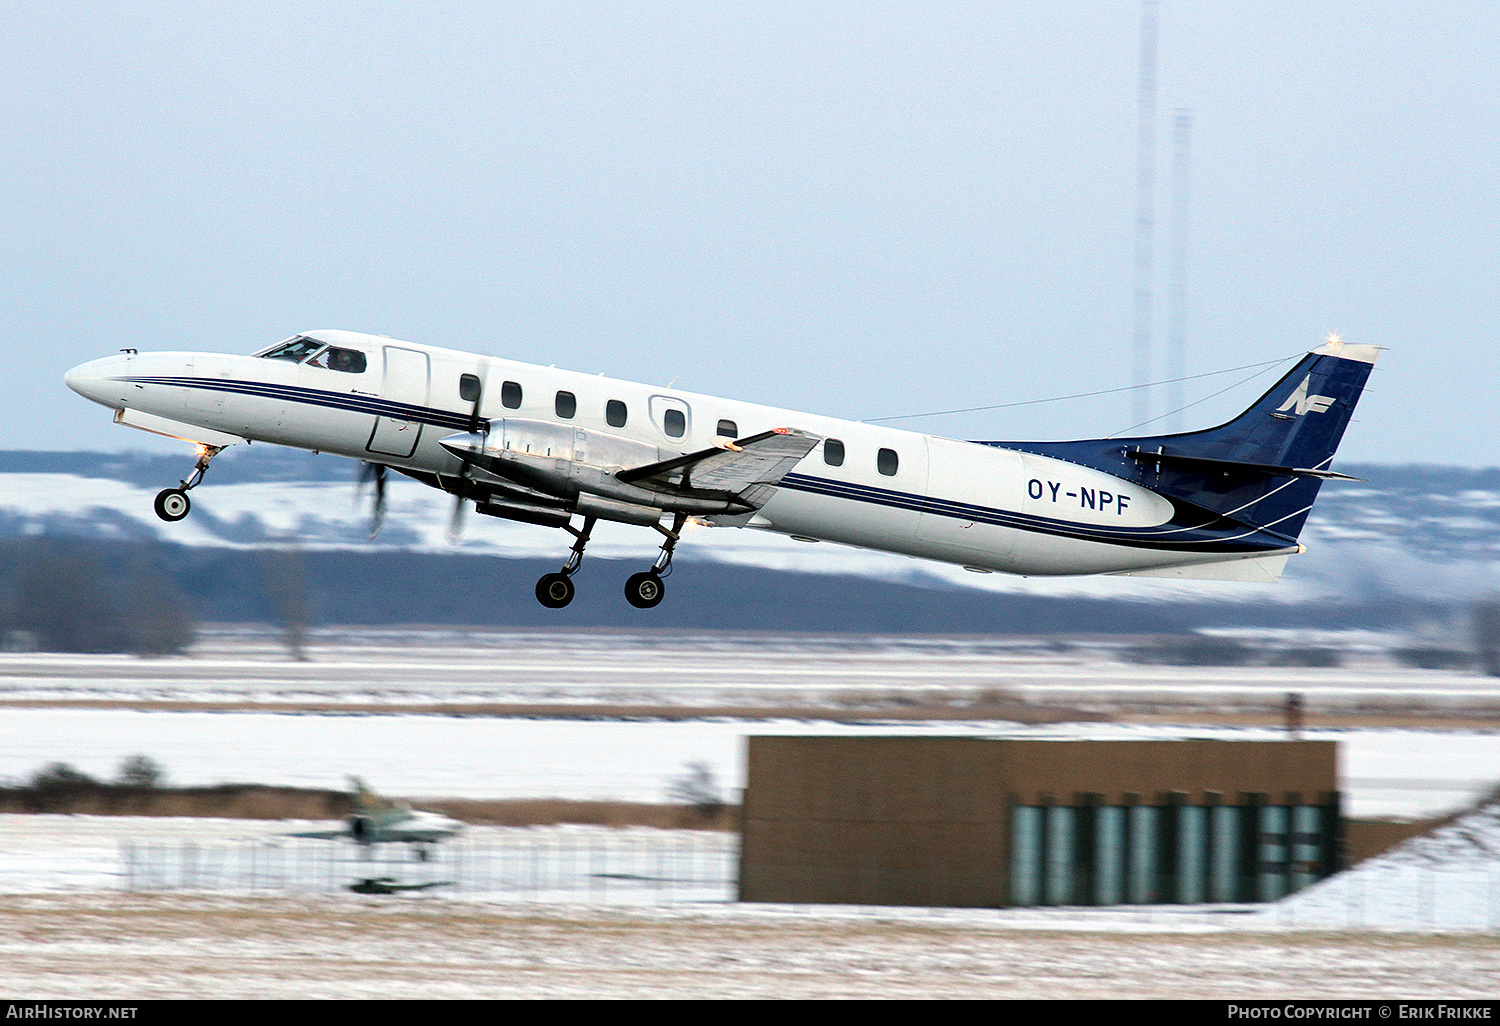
x: 355, y: 402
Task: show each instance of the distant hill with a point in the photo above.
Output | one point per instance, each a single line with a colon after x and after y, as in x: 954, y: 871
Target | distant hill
x: 1406, y: 545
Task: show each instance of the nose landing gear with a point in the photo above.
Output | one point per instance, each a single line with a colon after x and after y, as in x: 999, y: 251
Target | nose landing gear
x: 172, y: 504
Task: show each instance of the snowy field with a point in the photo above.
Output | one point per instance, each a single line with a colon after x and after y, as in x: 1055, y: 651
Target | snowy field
x: 1384, y: 772
x: 141, y: 946
x: 1419, y: 922
x: 1403, y: 773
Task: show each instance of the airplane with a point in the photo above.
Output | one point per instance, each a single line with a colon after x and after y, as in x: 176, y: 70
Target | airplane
x: 377, y: 820
x: 547, y: 446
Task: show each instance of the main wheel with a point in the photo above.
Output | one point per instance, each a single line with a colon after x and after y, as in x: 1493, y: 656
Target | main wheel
x: 644, y: 590
x: 172, y: 504
x: 554, y: 590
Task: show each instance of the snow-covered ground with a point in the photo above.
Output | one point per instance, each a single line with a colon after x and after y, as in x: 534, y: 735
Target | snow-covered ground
x: 69, y: 927
x: 202, y: 740
x: 1406, y: 773
x: 1446, y: 882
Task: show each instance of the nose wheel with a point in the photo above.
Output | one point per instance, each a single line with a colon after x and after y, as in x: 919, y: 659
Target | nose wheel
x: 172, y: 504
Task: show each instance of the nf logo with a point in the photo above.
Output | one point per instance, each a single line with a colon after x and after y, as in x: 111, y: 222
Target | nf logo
x: 1304, y: 402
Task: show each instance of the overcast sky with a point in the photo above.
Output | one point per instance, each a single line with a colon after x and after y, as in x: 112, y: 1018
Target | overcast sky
x: 859, y: 209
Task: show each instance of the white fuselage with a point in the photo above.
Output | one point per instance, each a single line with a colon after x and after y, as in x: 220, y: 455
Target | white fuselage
x: 937, y: 499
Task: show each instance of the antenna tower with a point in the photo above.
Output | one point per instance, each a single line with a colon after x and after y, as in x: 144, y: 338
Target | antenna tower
x: 1145, y: 211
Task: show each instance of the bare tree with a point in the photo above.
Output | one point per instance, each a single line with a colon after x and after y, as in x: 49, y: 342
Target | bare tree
x: 141, y: 771
x: 697, y: 786
x: 281, y: 567
x: 1487, y: 635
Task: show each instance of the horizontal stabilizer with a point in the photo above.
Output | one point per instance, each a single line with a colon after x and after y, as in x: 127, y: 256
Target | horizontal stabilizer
x: 1234, y: 467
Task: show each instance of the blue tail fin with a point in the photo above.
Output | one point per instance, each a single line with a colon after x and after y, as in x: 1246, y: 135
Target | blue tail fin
x: 1264, y: 467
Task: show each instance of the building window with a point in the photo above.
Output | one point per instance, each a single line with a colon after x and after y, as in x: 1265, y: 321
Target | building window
x: 887, y: 462
x: 615, y: 413
x: 833, y: 452
x: 510, y: 395
x: 674, y: 423
x: 566, y: 405
x: 468, y: 388
x: 729, y: 429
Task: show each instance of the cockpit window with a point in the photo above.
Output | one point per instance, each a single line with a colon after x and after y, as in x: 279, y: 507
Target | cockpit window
x: 296, y: 350
x: 350, y: 361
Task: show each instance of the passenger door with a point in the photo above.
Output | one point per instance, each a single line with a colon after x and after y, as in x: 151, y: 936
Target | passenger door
x: 404, y: 391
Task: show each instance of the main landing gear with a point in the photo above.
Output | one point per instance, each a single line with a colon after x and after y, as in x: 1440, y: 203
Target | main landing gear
x: 556, y: 590
x: 643, y: 590
x: 172, y: 504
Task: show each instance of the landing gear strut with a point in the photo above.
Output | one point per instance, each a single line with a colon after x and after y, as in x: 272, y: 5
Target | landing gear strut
x: 172, y: 504
x: 556, y: 590
x: 645, y: 590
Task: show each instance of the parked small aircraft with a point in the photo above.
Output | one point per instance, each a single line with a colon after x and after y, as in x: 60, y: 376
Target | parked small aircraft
x: 377, y: 820
x: 546, y: 446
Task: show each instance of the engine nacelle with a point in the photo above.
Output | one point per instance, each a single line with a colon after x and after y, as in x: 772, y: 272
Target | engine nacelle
x: 579, y: 467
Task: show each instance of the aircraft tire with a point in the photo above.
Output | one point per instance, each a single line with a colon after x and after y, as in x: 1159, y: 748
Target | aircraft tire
x: 555, y: 590
x: 644, y: 590
x: 172, y: 504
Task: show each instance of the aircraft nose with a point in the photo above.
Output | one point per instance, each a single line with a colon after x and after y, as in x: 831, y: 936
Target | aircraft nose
x: 98, y: 380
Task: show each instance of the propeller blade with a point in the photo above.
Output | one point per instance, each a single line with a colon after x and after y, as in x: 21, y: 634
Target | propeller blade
x: 477, y: 426
x: 375, y: 472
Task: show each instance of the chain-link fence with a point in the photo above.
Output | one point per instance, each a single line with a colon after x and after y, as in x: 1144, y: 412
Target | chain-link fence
x: 544, y: 864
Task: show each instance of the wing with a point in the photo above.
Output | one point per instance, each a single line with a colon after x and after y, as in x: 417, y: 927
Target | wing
x: 746, y: 470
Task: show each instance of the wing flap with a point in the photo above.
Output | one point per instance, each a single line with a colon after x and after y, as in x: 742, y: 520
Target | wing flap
x: 747, y: 469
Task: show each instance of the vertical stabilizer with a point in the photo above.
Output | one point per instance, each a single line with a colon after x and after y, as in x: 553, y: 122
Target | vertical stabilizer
x: 1264, y: 467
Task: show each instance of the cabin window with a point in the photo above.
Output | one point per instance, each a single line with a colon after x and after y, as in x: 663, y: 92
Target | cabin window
x: 729, y: 429
x: 615, y: 413
x: 510, y: 395
x: 468, y: 388
x: 566, y: 405
x: 674, y: 423
x: 833, y: 452
x: 887, y: 462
